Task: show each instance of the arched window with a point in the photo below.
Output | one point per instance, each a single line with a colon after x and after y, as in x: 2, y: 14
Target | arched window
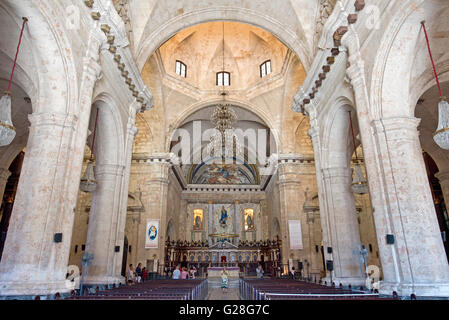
x: 181, y: 69
x: 265, y: 68
x: 223, y: 78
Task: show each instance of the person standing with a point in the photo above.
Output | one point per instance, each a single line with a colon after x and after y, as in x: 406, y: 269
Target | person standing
x: 224, y: 280
x: 177, y: 272
x: 192, y: 272
x: 184, y: 273
x: 293, y: 273
x: 130, y: 275
x: 139, y: 273
x: 144, y: 274
x: 259, y: 272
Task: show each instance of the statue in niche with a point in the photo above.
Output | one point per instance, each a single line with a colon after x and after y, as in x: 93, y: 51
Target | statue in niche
x: 224, y: 217
x: 249, y: 222
x: 198, y: 219
x: 197, y: 223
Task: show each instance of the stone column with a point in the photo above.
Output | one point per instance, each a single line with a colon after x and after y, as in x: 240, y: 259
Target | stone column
x: 123, y: 206
x: 401, y: 199
x: 4, y: 175
x: 236, y: 221
x: 33, y: 263
x: 103, y: 219
x: 294, y: 177
x: 154, y: 198
x: 344, y: 230
x: 210, y: 213
x: 443, y: 177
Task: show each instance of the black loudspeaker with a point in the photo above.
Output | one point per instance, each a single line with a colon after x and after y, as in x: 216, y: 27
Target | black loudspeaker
x: 300, y: 266
x: 117, y: 248
x: 329, y: 265
x: 58, y: 237
x: 317, y: 249
x: 329, y: 250
x: 390, y: 239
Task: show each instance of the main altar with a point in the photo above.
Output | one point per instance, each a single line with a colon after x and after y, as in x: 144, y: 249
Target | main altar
x: 223, y: 235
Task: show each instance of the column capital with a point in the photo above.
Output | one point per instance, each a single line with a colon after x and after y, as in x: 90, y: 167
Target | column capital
x: 356, y: 70
x: 42, y: 119
x: 397, y: 128
x: 329, y: 173
x: 109, y: 169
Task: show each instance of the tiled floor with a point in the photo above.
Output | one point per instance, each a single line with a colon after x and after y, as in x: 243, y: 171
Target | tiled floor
x: 218, y: 294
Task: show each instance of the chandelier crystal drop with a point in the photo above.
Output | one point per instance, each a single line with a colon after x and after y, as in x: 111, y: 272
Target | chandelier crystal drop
x: 7, y: 130
x: 441, y: 136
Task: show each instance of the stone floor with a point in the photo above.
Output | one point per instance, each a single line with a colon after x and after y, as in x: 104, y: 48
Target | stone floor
x: 218, y: 294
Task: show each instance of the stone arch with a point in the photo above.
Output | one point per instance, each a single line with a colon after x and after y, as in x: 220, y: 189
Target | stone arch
x: 275, y: 228
x: 337, y: 144
x: 171, y: 230
x: 203, y: 104
x: 55, y: 76
x: 403, y: 37
x: 156, y: 37
x: 109, y: 143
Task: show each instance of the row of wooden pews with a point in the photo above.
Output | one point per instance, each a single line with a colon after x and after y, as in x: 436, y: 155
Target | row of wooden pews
x: 286, y: 289
x: 152, y: 290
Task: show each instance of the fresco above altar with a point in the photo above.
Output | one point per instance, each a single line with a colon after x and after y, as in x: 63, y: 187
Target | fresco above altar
x: 223, y: 174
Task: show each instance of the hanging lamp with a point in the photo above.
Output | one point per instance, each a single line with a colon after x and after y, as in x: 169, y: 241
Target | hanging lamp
x: 88, y: 182
x: 224, y: 142
x: 7, y: 129
x: 359, y: 184
x: 441, y: 136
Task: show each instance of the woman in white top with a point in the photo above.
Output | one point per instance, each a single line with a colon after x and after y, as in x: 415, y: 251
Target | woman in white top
x: 130, y: 275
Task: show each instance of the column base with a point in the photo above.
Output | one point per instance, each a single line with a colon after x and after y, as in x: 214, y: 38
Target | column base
x: 22, y: 290
x: 103, y: 281
x: 419, y: 289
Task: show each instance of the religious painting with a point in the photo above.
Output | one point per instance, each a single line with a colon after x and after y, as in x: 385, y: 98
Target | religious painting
x: 223, y: 221
x: 198, y: 219
x: 249, y: 219
x: 152, y: 233
x: 225, y: 174
x: 222, y: 173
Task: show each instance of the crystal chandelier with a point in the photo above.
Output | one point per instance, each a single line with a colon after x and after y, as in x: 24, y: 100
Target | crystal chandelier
x: 359, y: 184
x: 441, y: 136
x: 224, y: 142
x: 88, y: 182
x: 7, y: 129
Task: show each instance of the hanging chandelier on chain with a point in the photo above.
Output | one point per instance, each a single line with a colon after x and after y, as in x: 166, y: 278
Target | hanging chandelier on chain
x: 441, y: 136
x: 88, y: 182
x: 7, y: 129
x: 359, y: 183
x: 224, y: 142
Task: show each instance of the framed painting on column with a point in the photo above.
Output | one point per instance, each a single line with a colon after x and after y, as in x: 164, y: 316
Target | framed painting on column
x: 152, y: 234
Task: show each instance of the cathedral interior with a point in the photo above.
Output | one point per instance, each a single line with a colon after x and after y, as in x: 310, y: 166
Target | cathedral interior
x: 308, y: 138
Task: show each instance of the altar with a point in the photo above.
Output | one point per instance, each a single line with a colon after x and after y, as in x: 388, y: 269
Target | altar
x: 215, y: 272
